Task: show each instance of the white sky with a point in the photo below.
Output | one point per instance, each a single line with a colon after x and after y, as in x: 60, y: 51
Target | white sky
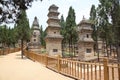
x: 40, y: 9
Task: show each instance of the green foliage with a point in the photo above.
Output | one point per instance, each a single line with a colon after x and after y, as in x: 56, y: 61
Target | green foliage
x: 68, y: 30
x: 10, y: 9
x: 62, y: 23
x: 106, y: 18
x: 7, y: 36
x: 23, y: 29
x: 43, y: 50
x: 3, y: 34
x: 42, y: 36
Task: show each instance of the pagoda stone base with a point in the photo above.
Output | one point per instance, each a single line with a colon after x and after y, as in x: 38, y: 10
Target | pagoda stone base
x: 35, y: 47
x: 35, y: 50
x: 88, y: 58
x: 51, y: 53
x: 53, y: 47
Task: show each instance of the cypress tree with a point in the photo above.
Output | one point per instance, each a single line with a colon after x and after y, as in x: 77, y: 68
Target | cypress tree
x: 71, y: 30
x: 23, y: 30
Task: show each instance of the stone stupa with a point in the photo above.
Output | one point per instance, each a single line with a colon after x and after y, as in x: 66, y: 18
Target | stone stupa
x: 85, y: 42
x: 53, y: 39
x: 34, y: 44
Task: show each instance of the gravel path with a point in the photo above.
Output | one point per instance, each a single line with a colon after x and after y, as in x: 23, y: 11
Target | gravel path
x: 12, y: 67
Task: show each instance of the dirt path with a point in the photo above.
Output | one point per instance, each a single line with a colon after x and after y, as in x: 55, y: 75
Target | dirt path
x: 12, y: 67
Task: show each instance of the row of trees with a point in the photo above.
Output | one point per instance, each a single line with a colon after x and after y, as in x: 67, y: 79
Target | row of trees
x: 21, y: 32
x: 7, y: 36
x: 106, y: 27
x: 106, y: 19
x: 42, y: 36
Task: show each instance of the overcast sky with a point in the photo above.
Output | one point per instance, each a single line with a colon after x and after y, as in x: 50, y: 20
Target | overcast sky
x: 40, y: 9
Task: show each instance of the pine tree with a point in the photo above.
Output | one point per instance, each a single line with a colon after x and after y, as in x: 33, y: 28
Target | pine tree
x: 4, y: 36
x: 62, y: 24
x: 110, y: 9
x: 23, y: 30
x: 42, y: 36
x: 107, y: 10
x: 63, y: 32
x: 115, y: 15
x: 71, y: 29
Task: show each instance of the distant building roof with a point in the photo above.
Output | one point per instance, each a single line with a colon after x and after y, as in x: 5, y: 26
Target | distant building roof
x: 84, y: 21
x: 53, y: 6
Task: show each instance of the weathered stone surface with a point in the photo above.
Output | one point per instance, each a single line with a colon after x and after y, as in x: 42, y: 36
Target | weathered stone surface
x: 34, y: 44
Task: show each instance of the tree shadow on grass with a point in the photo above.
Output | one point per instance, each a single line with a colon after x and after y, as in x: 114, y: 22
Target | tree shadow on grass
x: 24, y: 58
x: 18, y: 54
x: 1, y: 56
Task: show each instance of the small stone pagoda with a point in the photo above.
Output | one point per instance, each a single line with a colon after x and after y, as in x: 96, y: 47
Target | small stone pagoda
x: 85, y: 42
x: 53, y: 39
x: 34, y: 44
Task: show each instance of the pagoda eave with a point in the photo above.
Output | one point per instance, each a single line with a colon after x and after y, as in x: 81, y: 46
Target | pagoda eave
x: 54, y: 26
x: 81, y: 23
x: 85, y: 41
x: 51, y: 27
x: 53, y: 12
x: 53, y: 37
x: 53, y: 6
x: 52, y: 19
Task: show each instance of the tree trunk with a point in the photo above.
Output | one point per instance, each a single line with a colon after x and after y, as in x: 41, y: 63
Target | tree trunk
x: 69, y: 46
x: 110, y: 50
x: 97, y: 48
x: 3, y: 48
x: 14, y: 45
x: 74, y: 48
x: 118, y: 52
x: 22, y: 48
x: 106, y: 47
x: 63, y: 46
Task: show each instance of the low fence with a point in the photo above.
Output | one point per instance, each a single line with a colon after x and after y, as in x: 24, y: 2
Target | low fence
x: 8, y: 50
x: 77, y: 69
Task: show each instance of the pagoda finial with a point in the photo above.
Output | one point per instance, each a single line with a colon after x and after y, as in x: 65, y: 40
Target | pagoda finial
x: 83, y: 17
x: 35, y: 22
x: 35, y: 18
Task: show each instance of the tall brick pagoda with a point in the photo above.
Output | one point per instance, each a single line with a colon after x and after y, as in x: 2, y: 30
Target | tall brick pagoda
x: 53, y: 39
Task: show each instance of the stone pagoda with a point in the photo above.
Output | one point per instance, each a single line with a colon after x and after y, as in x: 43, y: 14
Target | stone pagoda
x: 85, y: 42
x: 53, y: 39
x: 34, y: 44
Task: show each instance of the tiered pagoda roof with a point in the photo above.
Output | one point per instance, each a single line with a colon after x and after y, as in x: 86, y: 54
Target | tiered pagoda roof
x: 53, y: 22
x: 85, y: 21
x: 84, y: 28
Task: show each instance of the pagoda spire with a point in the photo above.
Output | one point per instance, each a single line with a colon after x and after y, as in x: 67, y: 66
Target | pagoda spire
x: 35, y: 22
